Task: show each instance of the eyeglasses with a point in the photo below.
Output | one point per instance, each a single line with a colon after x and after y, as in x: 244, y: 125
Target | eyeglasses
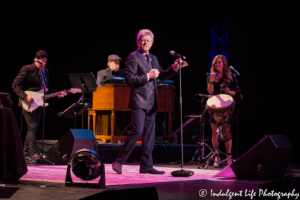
x: 42, y: 63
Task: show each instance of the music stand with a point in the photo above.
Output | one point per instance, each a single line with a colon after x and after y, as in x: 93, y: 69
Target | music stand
x: 86, y: 82
x: 74, y: 111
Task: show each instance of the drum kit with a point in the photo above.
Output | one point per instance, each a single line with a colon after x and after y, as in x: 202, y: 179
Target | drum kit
x: 220, y: 108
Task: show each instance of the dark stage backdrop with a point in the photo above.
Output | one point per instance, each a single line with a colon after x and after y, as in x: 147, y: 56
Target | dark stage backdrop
x: 79, y: 37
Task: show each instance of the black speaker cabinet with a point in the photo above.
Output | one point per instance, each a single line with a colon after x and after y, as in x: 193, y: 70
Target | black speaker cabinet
x: 268, y: 159
x: 72, y: 141
x: 12, y: 160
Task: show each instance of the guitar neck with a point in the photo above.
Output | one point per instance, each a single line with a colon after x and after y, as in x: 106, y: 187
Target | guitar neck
x: 54, y: 94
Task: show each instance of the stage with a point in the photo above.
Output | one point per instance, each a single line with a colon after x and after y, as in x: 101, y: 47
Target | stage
x: 162, y: 152
x: 47, y: 182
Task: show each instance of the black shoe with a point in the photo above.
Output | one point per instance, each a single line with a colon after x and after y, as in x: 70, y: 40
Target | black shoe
x: 151, y: 171
x: 117, y: 167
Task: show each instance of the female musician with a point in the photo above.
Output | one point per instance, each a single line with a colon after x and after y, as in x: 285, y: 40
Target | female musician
x: 220, y: 84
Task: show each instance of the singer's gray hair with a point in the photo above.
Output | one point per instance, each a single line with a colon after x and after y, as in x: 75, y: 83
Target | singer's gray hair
x: 144, y: 32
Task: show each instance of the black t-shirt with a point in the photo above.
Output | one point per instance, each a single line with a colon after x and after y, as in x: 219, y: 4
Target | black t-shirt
x: 219, y: 86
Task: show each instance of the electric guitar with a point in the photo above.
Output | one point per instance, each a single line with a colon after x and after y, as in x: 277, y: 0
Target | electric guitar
x: 38, y: 98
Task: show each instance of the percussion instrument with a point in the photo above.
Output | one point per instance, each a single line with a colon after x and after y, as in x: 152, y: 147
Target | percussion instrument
x: 221, y: 108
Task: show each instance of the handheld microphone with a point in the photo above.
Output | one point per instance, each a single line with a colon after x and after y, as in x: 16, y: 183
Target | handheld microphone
x: 234, y: 70
x: 178, y: 55
x: 204, y: 95
x: 208, y: 74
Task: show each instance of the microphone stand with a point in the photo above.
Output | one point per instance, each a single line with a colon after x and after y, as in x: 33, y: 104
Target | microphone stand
x: 42, y: 159
x: 82, y: 89
x: 239, y: 94
x: 182, y: 172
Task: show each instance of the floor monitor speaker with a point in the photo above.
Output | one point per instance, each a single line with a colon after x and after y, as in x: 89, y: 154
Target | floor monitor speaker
x: 268, y: 159
x: 72, y: 141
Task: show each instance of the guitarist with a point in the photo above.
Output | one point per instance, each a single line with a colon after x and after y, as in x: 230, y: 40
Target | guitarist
x: 30, y: 79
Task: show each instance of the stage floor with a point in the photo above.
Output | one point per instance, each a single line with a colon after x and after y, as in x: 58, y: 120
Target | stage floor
x: 47, y: 182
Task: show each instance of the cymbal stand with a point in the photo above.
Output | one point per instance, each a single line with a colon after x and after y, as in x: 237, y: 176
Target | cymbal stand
x: 218, y: 152
x: 200, y: 152
x: 201, y: 145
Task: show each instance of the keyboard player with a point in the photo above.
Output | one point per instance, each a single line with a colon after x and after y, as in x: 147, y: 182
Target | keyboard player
x: 112, y: 70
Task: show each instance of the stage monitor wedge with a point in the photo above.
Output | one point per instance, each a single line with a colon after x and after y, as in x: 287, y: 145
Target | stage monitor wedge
x: 72, y: 141
x: 191, y: 131
x: 268, y: 159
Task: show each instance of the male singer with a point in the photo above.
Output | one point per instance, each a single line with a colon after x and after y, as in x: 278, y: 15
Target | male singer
x: 31, y: 78
x: 141, y: 71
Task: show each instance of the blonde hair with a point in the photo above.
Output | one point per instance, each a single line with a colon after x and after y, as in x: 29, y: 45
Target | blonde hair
x: 226, y: 71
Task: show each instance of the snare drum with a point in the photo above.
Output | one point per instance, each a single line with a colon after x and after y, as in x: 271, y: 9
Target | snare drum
x: 221, y: 108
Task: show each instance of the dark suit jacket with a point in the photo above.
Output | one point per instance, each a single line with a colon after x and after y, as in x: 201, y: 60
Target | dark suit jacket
x: 28, y: 79
x: 143, y: 93
x: 106, y: 74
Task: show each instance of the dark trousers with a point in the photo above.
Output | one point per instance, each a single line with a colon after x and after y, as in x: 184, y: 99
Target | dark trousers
x: 32, y: 120
x: 143, y: 122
